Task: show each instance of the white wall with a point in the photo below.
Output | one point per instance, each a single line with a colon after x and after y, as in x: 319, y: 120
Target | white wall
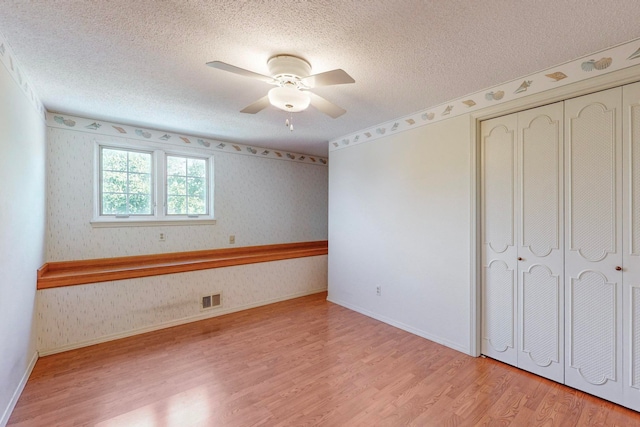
x: 22, y: 228
x: 259, y: 200
x: 400, y: 218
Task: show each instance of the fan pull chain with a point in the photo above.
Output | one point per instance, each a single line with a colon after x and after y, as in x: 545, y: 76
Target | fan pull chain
x: 289, y: 122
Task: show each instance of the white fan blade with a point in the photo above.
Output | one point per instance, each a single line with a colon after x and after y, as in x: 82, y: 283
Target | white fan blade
x: 257, y: 106
x: 333, y: 77
x: 325, y: 106
x: 241, y: 71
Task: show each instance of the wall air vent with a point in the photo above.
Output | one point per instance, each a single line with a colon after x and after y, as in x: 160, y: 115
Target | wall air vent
x: 216, y: 300
x: 211, y: 301
x: 206, y: 302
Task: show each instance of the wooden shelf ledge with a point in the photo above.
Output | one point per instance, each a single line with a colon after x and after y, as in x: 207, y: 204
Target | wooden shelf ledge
x: 70, y: 273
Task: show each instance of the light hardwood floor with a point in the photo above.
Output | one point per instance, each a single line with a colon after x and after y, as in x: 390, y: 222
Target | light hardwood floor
x: 302, y: 362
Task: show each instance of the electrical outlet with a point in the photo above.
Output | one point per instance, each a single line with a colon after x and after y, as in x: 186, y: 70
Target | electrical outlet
x: 379, y: 290
x: 163, y: 237
x: 232, y: 240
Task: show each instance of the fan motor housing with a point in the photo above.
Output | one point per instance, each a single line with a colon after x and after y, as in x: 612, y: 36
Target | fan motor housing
x: 288, y: 68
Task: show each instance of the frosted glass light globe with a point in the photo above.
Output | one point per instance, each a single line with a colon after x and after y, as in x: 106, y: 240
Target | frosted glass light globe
x: 289, y: 98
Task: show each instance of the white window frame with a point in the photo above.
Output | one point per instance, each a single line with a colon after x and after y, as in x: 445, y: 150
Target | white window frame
x: 159, y: 216
x: 166, y: 183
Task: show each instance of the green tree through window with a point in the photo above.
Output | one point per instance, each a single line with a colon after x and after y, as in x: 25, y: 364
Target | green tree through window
x: 134, y: 179
x: 186, y: 186
x: 125, y: 182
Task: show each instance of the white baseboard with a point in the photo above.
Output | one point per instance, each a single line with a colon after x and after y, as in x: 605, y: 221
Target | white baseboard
x: 203, y: 316
x: 401, y: 325
x: 16, y: 395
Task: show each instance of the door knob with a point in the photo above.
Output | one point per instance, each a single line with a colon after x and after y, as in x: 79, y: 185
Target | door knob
x: 618, y: 268
x: 519, y: 258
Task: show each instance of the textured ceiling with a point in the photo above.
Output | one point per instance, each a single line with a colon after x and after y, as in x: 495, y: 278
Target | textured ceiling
x: 143, y: 62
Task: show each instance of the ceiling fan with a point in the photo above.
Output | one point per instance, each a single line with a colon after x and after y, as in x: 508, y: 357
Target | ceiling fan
x: 291, y: 76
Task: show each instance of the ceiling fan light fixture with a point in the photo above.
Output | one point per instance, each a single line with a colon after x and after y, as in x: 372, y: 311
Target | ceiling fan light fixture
x: 292, y: 76
x: 289, y: 98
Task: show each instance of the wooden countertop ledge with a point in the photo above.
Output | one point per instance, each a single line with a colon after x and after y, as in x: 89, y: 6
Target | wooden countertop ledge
x: 70, y: 273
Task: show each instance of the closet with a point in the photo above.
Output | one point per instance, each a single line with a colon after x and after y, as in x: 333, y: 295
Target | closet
x: 560, y: 221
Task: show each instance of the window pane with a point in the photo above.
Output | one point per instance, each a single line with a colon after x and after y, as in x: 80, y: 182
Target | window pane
x: 176, y: 166
x: 140, y: 204
x: 114, y: 204
x: 114, y: 160
x: 126, y: 182
x: 177, y: 205
x: 139, y: 162
x: 176, y: 186
x: 196, y: 187
x: 196, y: 167
x: 197, y: 206
x: 139, y: 183
x: 114, y: 182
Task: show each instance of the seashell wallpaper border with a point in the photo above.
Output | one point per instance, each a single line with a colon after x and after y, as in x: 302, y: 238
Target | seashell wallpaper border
x: 8, y: 59
x: 606, y: 61
x: 100, y: 127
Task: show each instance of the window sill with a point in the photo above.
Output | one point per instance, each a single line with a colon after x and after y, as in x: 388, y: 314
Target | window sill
x: 129, y: 222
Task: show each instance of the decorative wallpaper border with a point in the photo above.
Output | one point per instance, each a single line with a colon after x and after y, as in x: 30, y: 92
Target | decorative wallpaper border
x: 606, y: 61
x: 8, y: 58
x: 101, y: 127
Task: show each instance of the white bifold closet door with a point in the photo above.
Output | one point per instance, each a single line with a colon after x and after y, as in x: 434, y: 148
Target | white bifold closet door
x: 560, y: 206
x: 631, y: 245
x: 523, y: 252
x: 593, y: 239
x: 499, y: 251
x: 541, y: 242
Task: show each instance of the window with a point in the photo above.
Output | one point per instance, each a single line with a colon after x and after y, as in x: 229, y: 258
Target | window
x: 142, y: 186
x: 186, y: 186
x: 125, y: 182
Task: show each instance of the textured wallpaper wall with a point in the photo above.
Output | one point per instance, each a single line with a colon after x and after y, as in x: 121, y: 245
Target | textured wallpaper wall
x: 76, y: 316
x: 259, y: 200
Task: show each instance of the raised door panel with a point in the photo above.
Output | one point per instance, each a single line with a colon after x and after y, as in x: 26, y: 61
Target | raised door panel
x: 631, y: 272
x: 632, y: 347
x: 540, y: 326
x: 498, y: 195
x: 540, y: 248
x: 593, y: 255
x: 499, y: 252
x: 593, y: 324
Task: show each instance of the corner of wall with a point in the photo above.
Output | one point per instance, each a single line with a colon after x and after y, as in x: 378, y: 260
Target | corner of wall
x: 22, y: 224
x: 4, y: 419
